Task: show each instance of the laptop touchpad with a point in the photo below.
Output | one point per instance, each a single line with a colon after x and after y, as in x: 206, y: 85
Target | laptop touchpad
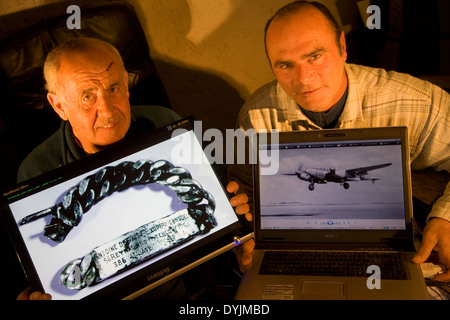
x: 323, y: 289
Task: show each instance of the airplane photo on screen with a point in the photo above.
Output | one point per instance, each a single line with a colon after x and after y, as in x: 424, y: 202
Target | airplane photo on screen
x: 334, y: 185
x: 341, y: 176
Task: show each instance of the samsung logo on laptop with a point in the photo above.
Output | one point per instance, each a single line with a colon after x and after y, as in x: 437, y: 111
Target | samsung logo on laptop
x: 159, y: 274
x: 331, y: 236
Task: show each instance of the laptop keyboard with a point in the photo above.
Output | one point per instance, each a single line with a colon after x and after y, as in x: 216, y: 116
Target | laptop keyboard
x: 339, y: 264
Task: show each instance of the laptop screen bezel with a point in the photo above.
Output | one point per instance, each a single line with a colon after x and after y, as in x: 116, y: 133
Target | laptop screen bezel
x: 156, y: 272
x: 396, y: 239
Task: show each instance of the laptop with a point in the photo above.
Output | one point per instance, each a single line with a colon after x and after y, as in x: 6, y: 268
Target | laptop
x: 122, y: 221
x: 326, y: 202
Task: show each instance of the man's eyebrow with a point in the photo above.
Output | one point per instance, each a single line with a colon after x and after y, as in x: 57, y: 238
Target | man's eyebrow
x: 114, y: 84
x: 87, y: 90
x: 282, y: 62
x: 314, y: 52
x: 303, y: 56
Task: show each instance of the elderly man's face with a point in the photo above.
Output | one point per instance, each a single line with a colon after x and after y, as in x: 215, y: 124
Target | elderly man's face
x: 305, y: 59
x: 93, y: 96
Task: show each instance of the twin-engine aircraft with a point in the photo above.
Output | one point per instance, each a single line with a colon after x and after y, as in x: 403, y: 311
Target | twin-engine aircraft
x: 342, y: 176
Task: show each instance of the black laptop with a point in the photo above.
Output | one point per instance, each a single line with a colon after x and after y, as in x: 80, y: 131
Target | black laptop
x: 122, y: 221
x: 333, y: 217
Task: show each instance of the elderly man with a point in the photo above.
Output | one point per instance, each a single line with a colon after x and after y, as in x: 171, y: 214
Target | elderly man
x: 88, y: 88
x: 315, y: 89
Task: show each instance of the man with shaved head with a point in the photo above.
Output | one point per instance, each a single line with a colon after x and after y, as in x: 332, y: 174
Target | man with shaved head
x: 316, y: 89
x: 88, y: 88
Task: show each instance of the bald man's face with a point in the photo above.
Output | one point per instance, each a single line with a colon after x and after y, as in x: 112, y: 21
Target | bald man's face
x: 306, y: 59
x: 93, y: 96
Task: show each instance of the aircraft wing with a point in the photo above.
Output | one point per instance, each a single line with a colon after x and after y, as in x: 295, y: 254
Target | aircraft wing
x: 363, y: 170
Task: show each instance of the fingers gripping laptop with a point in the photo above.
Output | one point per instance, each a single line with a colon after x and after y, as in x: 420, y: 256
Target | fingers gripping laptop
x: 334, y: 220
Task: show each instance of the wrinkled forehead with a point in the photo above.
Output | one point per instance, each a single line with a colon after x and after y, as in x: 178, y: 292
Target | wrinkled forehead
x: 96, y: 65
x: 95, y: 58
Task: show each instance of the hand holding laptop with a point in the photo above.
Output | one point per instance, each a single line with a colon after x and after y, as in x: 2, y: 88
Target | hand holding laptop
x: 240, y: 202
x: 36, y: 295
x: 244, y: 254
x: 436, y: 237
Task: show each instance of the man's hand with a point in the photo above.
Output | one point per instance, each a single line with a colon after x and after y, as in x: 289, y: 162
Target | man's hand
x: 28, y: 295
x: 239, y: 201
x: 244, y: 254
x: 436, y: 236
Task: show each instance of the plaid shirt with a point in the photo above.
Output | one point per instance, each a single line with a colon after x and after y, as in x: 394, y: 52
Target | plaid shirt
x: 376, y: 98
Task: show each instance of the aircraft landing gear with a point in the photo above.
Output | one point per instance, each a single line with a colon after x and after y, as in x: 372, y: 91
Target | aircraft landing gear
x: 346, y: 185
x: 311, y: 187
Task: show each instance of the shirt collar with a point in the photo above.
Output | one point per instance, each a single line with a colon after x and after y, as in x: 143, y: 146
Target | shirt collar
x: 329, y: 118
x: 74, y: 152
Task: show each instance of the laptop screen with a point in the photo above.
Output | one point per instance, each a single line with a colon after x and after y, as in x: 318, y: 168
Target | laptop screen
x: 334, y: 184
x: 103, y: 223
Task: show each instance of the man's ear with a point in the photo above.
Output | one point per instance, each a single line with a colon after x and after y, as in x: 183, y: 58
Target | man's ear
x: 56, y: 103
x: 343, y: 45
x: 127, y: 84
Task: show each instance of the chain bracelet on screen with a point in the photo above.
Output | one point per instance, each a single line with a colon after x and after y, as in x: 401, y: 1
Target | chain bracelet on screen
x: 79, y: 199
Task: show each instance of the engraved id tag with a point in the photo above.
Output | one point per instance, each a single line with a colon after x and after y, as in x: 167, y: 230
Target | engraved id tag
x: 133, y: 248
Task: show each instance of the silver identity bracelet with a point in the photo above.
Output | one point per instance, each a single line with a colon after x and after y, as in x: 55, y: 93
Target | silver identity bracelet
x: 140, y: 244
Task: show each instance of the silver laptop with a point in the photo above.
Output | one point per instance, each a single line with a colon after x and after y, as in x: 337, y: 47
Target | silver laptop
x: 333, y: 217
x: 123, y: 221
